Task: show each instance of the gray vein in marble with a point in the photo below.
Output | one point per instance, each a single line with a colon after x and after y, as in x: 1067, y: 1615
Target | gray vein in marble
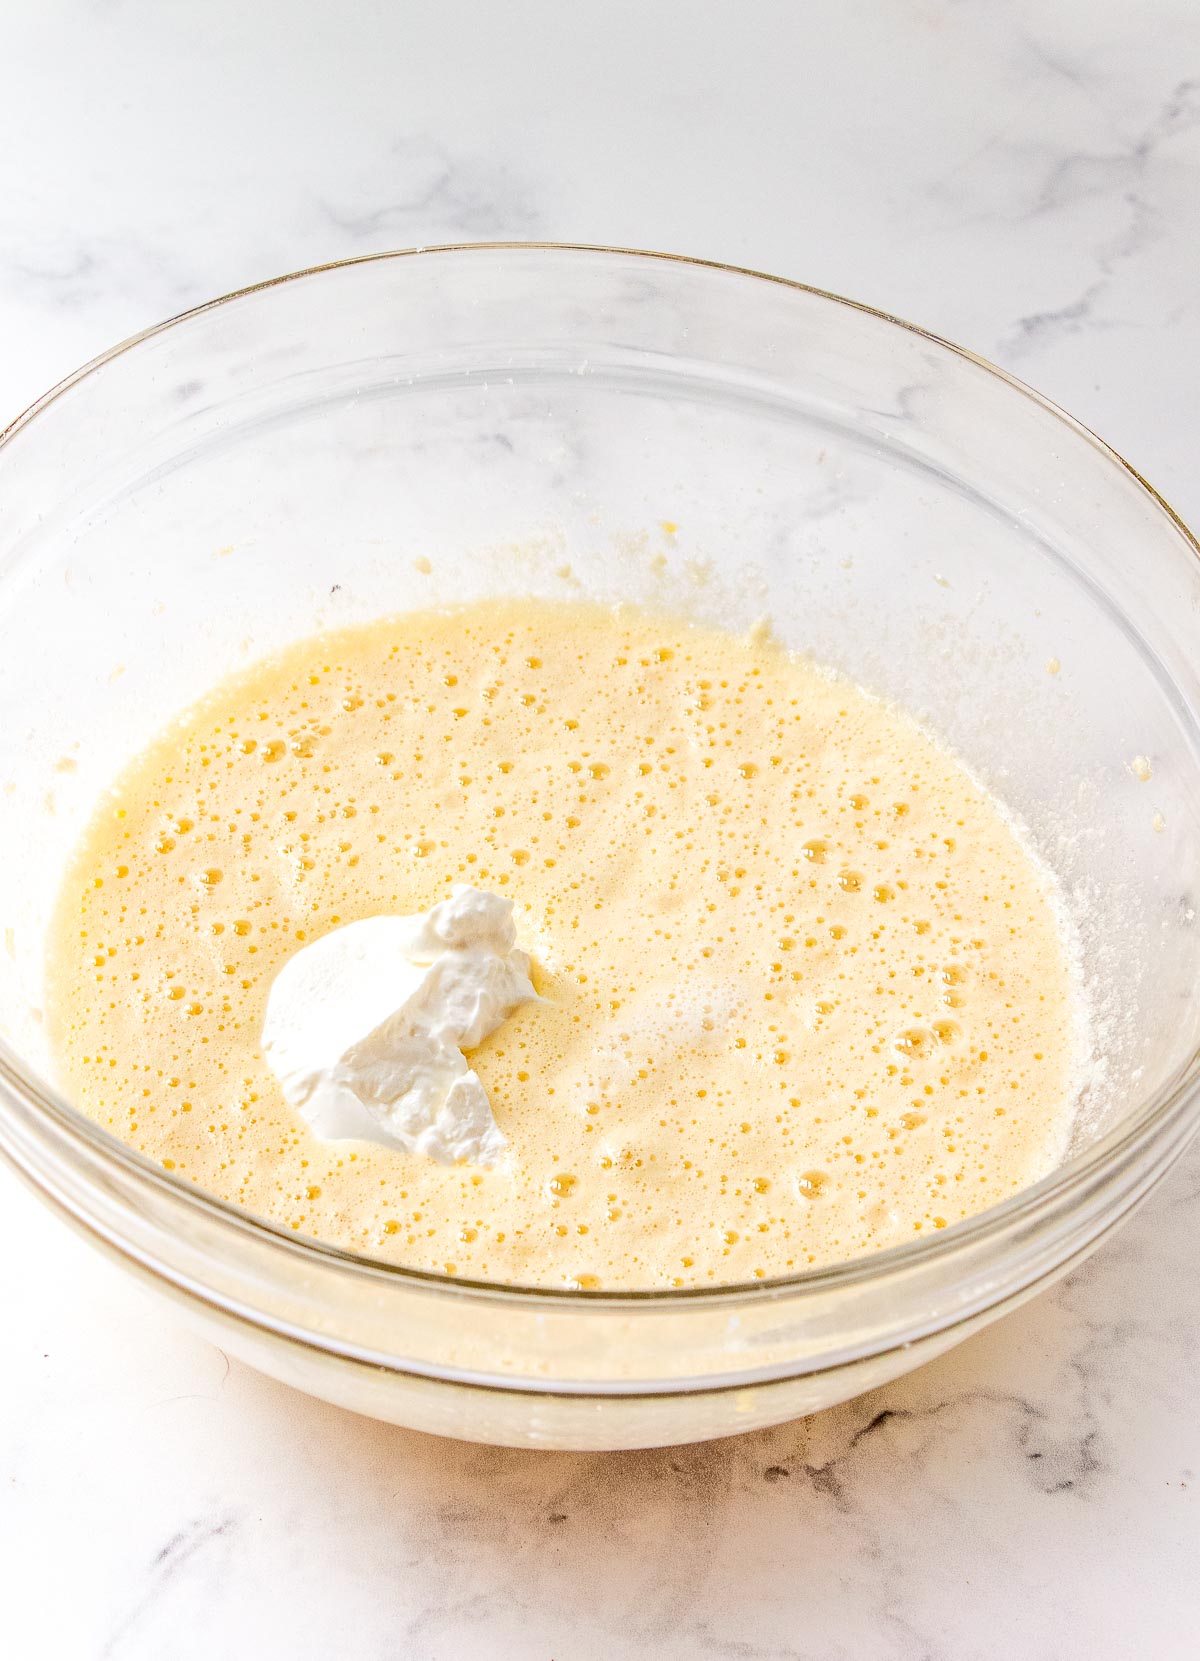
x: 423, y: 193
x: 170, y: 1560
x: 72, y: 275
x: 1059, y: 67
x: 1121, y: 177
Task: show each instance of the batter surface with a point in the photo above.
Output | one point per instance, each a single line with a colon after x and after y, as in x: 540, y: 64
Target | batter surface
x: 807, y: 993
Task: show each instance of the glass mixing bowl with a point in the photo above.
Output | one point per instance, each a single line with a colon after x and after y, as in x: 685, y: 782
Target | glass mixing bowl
x: 415, y: 429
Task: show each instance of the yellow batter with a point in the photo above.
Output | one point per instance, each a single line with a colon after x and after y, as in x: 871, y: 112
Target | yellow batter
x: 807, y: 991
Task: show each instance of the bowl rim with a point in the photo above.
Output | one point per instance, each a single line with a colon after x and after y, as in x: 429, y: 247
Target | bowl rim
x: 1053, y: 1192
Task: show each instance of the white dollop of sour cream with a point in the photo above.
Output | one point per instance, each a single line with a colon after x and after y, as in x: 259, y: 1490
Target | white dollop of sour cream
x: 365, y: 1028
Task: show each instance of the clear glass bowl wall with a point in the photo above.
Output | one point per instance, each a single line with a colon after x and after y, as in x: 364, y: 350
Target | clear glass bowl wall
x: 419, y: 429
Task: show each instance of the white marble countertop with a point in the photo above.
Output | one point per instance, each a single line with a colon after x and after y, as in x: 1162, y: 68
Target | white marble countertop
x: 1022, y: 177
